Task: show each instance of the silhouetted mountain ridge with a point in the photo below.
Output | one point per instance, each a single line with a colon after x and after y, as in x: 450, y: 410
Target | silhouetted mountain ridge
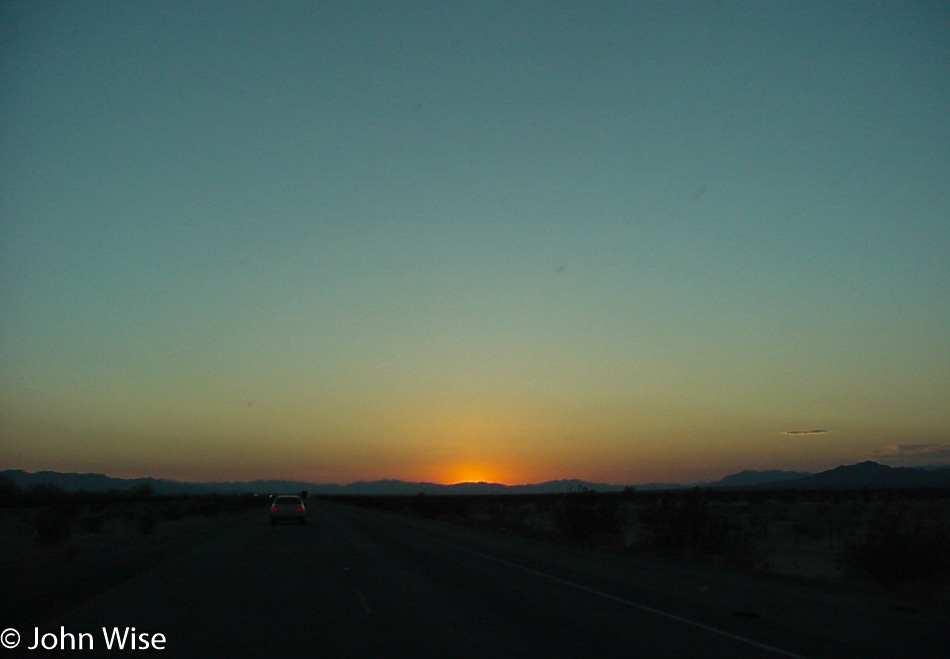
x: 874, y: 475
x: 862, y: 475
x: 750, y: 477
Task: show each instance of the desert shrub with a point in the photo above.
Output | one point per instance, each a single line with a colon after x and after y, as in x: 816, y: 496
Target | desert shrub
x: 53, y: 525
x: 457, y: 506
x: 742, y: 547
x: 538, y: 518
x: 681, y: 525
x: 779, y: 512
x: 584, y: 512
x: 171, y: 511
x: 47, y: 493
x: 426, y: 506
x: 686, y: 525
x: 899, y: 546
x: 434, y: 506
x: 9, y: 492
x: 92, y: 522
x: 202, y: 506
x: 146, y: 520
x: 239, y: 502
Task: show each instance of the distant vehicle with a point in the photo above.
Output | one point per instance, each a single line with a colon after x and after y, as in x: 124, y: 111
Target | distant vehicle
x: 288, y: 508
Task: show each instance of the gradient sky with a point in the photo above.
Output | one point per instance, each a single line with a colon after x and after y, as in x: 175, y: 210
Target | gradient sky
x: 445, y: 241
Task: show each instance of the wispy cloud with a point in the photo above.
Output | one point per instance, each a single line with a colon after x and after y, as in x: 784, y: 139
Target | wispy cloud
x: 942, y: 450
x: 804, y: 432
x: 915, y: 454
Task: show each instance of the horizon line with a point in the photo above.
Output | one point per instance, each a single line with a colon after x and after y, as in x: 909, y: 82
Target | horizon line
x: 460, y: 483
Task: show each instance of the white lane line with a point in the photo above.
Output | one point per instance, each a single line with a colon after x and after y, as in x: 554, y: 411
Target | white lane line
x: 362, y: 599
x: 621, y: 600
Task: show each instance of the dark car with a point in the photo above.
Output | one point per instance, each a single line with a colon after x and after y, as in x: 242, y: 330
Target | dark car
x: 288, y: 508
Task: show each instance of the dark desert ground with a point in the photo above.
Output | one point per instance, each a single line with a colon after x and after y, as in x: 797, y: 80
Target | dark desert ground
x: 884, y: 549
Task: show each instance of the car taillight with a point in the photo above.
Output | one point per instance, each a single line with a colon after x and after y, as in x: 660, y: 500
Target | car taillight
x: 275, y: 509
x: 298, y: 509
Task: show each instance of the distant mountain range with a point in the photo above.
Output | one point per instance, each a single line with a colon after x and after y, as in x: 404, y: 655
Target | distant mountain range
x: 72, y: 482
x: 874, y: 475
x: 858, y: 476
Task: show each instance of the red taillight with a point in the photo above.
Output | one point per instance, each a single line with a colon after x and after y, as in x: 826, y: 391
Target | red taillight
x: 275, y: 509
x: 298, y: 509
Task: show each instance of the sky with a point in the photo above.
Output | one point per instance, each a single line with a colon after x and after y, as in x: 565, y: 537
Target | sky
x: 625, y: 242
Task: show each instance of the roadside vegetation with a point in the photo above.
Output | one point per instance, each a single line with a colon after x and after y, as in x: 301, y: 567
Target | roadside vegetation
x: 895, y: 538
x: 60, y: 548
x: 54, y: 517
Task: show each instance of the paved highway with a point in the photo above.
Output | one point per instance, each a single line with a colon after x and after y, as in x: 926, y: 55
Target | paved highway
x: 358, y: 583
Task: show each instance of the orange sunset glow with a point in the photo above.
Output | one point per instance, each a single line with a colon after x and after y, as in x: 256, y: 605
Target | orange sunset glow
x: 623, y: 244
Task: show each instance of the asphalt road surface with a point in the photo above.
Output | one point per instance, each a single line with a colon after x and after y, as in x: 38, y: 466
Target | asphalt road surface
x: 358, y: 583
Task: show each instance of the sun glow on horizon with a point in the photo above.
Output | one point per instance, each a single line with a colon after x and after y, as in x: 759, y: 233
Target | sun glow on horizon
x: 413, y: 281
x: 474, y: 473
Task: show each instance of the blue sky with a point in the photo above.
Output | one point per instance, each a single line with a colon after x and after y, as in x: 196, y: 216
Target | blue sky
x: 452, y: 241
